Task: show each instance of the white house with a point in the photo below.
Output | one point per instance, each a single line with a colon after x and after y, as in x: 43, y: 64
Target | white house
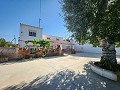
x: 55, y: 40
x: 28, y: 32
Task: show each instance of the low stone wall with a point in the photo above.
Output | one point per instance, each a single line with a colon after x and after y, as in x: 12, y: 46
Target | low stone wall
x: 21, y: 53
x: 5, y: 59
x: 11, y: 53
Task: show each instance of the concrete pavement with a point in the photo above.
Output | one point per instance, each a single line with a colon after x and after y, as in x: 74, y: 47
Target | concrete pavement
x: 70, y: 72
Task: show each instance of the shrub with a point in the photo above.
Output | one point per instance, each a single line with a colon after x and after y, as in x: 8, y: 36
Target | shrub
x: 105, y: 64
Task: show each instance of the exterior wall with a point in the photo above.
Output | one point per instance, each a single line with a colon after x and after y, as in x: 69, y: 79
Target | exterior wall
x: 11, y: 53
x: 117, y: 51
x: 64, y: 46
x: 77, y: 47
x: 90, y: 48
x: 24, y: 34
x: 55, y: 45
x: 52, y: 37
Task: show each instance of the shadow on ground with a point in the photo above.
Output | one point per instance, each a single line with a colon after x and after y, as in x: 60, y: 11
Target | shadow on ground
x: 68, y: 80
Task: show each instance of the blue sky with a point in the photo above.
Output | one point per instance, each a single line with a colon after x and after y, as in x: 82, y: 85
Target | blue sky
x: 14, y: 12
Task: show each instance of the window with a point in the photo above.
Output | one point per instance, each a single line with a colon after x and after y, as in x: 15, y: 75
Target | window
x: 48, y: 38
x: 67, y: 47
x: 32, y: 33
x: 57, y: 39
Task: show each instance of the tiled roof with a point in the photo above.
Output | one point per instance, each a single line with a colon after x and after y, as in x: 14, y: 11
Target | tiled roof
x: 60, y: 42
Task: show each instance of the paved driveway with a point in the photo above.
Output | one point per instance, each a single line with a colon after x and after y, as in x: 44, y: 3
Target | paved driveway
x: 70, y: 72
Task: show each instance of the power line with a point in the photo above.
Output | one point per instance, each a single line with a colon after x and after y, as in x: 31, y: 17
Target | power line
x: 14, y: 39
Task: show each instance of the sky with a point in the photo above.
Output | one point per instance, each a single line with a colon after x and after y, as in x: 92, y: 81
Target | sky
x: 14, y: 12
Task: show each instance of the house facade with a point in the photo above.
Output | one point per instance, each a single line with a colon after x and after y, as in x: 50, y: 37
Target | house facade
x: 28, y: 32
x: 55, y: 40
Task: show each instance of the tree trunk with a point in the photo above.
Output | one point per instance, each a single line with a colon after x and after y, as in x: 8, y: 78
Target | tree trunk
x: 108, y: 52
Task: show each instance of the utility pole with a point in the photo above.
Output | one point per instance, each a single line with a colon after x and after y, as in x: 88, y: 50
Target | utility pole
x: 39, y: 22
x: 40, y: 15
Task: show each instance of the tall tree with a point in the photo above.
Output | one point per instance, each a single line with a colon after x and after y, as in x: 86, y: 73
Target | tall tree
x: 96, y: 22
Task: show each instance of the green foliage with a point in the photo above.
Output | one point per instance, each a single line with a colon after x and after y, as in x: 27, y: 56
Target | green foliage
x: 92, y: 20
x: 45, y: 45
x: 26, y: 42
x: 4, y: 43
x: 111, y: 66
x: 42, y: 43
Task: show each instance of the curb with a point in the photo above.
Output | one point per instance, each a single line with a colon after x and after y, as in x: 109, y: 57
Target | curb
x: 105, y: 73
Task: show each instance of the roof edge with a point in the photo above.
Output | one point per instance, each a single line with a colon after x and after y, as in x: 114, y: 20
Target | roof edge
x: 30, y: 26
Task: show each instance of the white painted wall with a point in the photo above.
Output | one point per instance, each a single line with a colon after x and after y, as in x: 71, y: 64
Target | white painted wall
x: 90, y: 48
x: 24, y: 34
x: 77, y: 47
x: 52, y: 37
x: 117, y: 51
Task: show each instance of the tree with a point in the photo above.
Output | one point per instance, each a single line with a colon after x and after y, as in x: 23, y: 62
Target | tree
x: 95, y: 22
x: 4, y: 43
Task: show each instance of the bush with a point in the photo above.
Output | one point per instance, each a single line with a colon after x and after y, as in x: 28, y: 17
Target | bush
x: 108, y: 65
